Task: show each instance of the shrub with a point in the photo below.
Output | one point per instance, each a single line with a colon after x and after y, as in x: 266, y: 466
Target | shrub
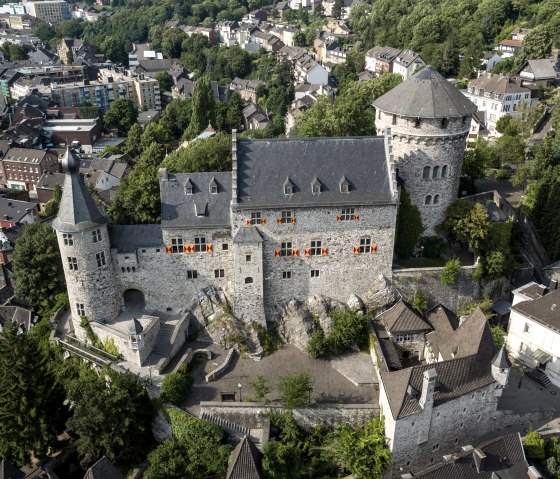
x: 432, y: 246
x: 260, y: 388
x: 534, y: 445
x: 317, y: 346
x: 175, y: 387
x: 450, y: 272
x: 348, y: 329
x: 498, y: 334
x: 296, y: 390
x: 420, y: 301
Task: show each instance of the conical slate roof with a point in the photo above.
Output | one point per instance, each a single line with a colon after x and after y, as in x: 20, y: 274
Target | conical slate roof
x: 77, y: 210
x: 245, y: 461
x: 501, y: 360
x: 135, y: 327
x: 426, y: 94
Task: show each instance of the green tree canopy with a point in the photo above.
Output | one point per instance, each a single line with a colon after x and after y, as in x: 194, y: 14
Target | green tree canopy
x: 38, y: 273
x: 537, y: 44
x: 409, y: 226
x: 296, y: 390
x: 203, y: 108
x: 209, y: 154
x: 165, y: 81
x: 121, y: 116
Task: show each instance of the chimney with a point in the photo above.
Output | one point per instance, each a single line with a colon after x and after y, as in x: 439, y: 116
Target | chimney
x: 462, y: 319
x: 428, y: 387
x: 542, y: 289
x: 553, y: 285
x: 533, y: 473
x: 234, y: 167
x: 479, y: 459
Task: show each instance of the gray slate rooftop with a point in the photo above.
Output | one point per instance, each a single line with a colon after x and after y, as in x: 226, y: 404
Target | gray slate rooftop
x: 202, y: 209
x: 245, y: 461
x: 103, y: 469
x: 248, y: 234
x: 129, y: 238
x: 545, y: 310
x: 401, y: 318
x: 263, y: 166
x: 427, y: 94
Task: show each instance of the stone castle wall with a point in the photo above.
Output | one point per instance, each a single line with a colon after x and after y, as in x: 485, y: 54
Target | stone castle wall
x: 90, y: 283
x: 341, y: 272
x: 438, y: 147
x: 248, y: 275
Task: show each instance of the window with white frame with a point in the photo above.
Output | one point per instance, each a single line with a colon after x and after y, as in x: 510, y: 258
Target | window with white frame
x: 200, y: 244
x: 365, y: 245
x: 286, y: 216
x: 286, y: 248
x: 80, y: 309
x: 72, y: 263
x: 315, y: 249
x: 192, y: 274
x: 219, y: 273
x: 96, y: 235
x: 315, y: 273
x: 68, y: 239
x: 176, y: 245
x: 347, y: 214
x: 100, y: 258
x: 286, y: 275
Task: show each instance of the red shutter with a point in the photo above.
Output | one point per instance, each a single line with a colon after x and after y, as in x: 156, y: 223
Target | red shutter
x: 210, y: 248
x: 295, y: 252
x: 374, y: 248
x: 168, y: 249
x: 356, y: 250
x: 324, y: 251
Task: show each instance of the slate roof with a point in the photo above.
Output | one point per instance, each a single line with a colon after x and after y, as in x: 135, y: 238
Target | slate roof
x: 383, y: 53
x: 544, y: 310
x: 77, y: 210
x: 248, y: 234
x: 501, y: 359
x: 402, y: 318
x: 505, y: 459
x: 179, y: 209
x: 16, y: 314
x: 426, y: 94
x: 264, y: 165
x: 499, y: 85
x: 14, y: 210
x: 455, y: 377
x: 103, y: 469
x: 129, y: 238
x: 542, y: 69
x: 244, y: 462
x: 473, y: 336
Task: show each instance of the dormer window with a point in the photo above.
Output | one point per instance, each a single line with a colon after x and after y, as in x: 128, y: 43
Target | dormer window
x: 315, y: 186
x: 213, y: 187
x: 189, y: 187
x: 344, y: 185
x: 288, y: 187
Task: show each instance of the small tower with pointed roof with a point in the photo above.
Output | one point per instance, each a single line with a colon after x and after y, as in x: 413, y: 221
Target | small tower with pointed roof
x: 501, y: 366
x: 85, y: 250
x: 428, y: 120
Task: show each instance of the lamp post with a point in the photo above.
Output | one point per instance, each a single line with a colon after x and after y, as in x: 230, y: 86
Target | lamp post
x: 239, y: 386
x: 150, y: 372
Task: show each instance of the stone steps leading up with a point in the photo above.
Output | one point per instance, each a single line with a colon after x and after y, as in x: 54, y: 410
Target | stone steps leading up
x: 540, y: 377
x: 229, y: 426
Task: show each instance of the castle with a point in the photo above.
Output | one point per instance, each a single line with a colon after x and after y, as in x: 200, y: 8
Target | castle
x: 292, y: 219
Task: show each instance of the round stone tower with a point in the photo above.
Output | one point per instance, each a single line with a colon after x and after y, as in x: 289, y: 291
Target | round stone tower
x: 83, y: 239
x: 428, y: 120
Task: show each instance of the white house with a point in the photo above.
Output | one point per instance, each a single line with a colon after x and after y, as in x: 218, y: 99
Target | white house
x: 534, y: 329
x: 406, y: 63
x: 490, y: 60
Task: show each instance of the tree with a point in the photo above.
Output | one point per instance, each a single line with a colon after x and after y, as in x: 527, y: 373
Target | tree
x: 537, y: 44
x: 337, y: 9
x: 363, y: 451
x: 450, y: 272
x: 31, y: 398
x: 409, y: 226
x: 154, y: 133
x: 498, y: 335
x: 165, y: 81
x: 296, y: 390
x: 534, y: 445
x: 469, y: 222
x: 112, y: 416
x: 132, y: 145
x: 88, y: 111
x: 51, y: 207
x: 177, y: 116
x: 175, y: 386
x: 260, y: 388
x: 137, y: 200
x: 203, y: 108
x: 38, y: 273
x: 420, y: 301
x: 281, y: 461
x: 121, y: 116
x: 209, y: 154
x: 69, y: 57
x: 172, y: 41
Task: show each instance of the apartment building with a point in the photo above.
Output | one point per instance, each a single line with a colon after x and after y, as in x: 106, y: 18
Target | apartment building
x: 22, y: 168
x: 50, y: 11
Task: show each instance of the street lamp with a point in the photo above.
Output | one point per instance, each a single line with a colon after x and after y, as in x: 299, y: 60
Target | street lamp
x: 150, y: 372
x: 239, y: 386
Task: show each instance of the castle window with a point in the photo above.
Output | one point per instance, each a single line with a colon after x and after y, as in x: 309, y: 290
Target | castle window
x: 435, y: 172
x: 192, y: 274
x: 287, y: 216
x: 247, y: 258
x: 219, y: 273
x: 96, y: 236
x: 347, y: 214
x: 426, y: 173
x: 256, y: 218
x: 394, y: 119
x: 100, y: 258
x: 80, y: 309
x: 444, y: 170
x: 68, y: 239
x: 286, y: 248
x: 344, y: 185
x: 436, y: 199
x: 435, y: 447
x: 365, y: 245
x: 526, y: 329
x: 286, y: 275
x: 315, y: 273
x: 123, y: 269
x: 315, y: 186
x: 72, y: 263
x: 428, y: 200
x: 225, y: 246
x: 316, y: 248
x: 176, y: 245
x: 288, y: 187
x: 444, y: 123
x: 213, y: 188
x: 417, y: 122
x: 248, y: 280
x: 200, y: 244
x: 189, y: 187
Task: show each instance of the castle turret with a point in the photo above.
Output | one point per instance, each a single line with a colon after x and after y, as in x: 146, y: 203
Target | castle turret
x: 429, y: 121
x: 501, y: 366
x: 83, y: 239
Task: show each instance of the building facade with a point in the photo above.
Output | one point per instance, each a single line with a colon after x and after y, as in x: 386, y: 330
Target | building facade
x: 22, y: 168
x: 50, y: 11
x: 429, y: 122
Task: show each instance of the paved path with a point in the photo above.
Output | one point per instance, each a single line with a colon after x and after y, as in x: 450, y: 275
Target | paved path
x: 505, y: 188
x: 358, y: 368
x: 329, y: 387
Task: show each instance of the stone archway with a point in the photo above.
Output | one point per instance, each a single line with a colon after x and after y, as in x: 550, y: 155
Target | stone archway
x: 134, y: 300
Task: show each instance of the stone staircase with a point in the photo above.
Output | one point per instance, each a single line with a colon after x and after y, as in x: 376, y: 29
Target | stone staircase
x: 540, y: 377
x: 231, y: 427
x: 161, y: 352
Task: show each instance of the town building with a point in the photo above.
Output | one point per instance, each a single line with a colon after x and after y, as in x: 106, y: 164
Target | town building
x: 80, y: 133
x: 429, y: 122
x: 50, y: 11
x: 142, y: 51
x: 247, y: 89
x: 490, y: 60
x: 406, y: 63
x: 13, y: 212
x: 21, y: 168
x: 534, y: 329
x: 545, y: 71
x: 380, y: 59
x: 496, y: 96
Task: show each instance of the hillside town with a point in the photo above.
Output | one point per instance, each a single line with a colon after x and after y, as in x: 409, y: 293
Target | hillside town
x: 306, y: 239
